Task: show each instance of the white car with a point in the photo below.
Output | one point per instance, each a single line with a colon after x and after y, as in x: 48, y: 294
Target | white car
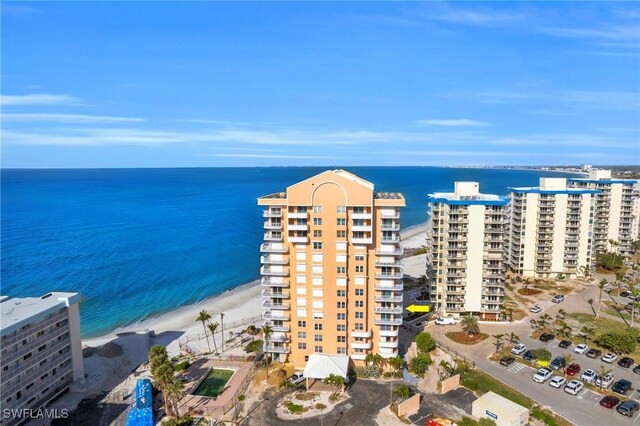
x: 536, y: 309
x: 604, y: 382
x: 542, y: 375
x: 557, y: 298
x: 581, y: 349
x: 574, y: 387
x: 445, y: 321
x: 557, y: 381
x: 296, y: 378
x: 609, y: 357
x: 588, y: 376
x: 518, y: 349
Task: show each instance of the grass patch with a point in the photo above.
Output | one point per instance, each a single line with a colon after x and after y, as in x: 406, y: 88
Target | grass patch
x: 306, y: 396
x: 295, y: 408
x: 464, y: 339
x: 529, y: 291
x: 214, y: 383
x: 482, y: 383
x: 320, y: 406
x: 601, y: 325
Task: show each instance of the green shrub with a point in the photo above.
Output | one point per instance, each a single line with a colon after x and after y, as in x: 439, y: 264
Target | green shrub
x: 320, y: 406
x: 254, y: 346
x: 181, y: 366
x: 420, y: 364
x: 425, y: 342
x: 619, y: 343
x: 421, y: 250
x: 295, y: 408
x: 367, y: 372
x: 609, y: 260
x: 184, y: 421
x: 542, y: 354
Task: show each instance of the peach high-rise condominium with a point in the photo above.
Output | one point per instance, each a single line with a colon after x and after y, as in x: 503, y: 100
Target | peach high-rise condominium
x: 465, y: 265
x: 331, y: 268
x: 613, y: 215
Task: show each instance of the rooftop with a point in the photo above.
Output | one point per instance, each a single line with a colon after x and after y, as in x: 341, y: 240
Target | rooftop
x: 388, y: 196
x: 16, y: 312
x: 281, y: 195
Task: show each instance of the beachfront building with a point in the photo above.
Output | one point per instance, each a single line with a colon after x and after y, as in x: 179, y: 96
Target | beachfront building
x: 465, y: 266
x: 41, y: 350
x: 550, y: 230
x: 635, y: 223
x: 331, y: 269
x: 613, y: 214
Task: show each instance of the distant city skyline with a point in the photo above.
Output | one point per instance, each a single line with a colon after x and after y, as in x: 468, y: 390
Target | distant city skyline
x: 323, y: 84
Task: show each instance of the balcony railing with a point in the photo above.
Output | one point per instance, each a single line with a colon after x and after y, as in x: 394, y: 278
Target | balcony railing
x: 361, y: 228
x: 269, y: 225
x: 268, y: 282
x: 380, y: 287
x: 270, y: 260
x: 361, y: 215
x: 297, y: 227
x: 266, y: 270
x: 382, y: 310
x: 276, y: 306
x: 272, y: 213
x: 270, y: 316
x: 361, y: 333
x: 368, y: 240
x: 271, y: 248
x: 282, y: 295
x: 297, y: 215
x: 385, y: 344
x: 384, y: 264
x: 361, y: 345
x: 277, y: 349
x: 298, y: 239
x: 388, y: 333
x: 380, y: 276
x: 383, y: 298
x: 396, y: 252
x: 387, y: 321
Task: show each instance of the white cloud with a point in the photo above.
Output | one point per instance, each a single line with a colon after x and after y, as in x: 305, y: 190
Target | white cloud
x: 284, y: 156
x: 66, y: 118
x: 458, y: 122
x: 37, y: 99
x: 618, y: 32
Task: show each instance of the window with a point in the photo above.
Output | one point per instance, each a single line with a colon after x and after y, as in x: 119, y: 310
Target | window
x: 359, y: 292
x: 360, y: 315
x: 317, y: 209
x: 317, y: 233
x: 341, y: 293
x: 302, y: 334
x: 359, y: 268
x: 341, y: 269
x: 342, y: 317
x: 317, y: 245
x: 341, y: 209
x: 341, y: 234
x: 342, y: 305
x: 342, y: 350
x: 302, y: 345
x: 359, y: 304
x: 359, y: 257
x: 317, y: 349
x: 317, y: 221
x: 359, y: 326
x: 342, y: 339
x: 341, y: 327
x: 317, y: 338
x: 317, y: 326
x: 302, y: 324
x: 342, y: 221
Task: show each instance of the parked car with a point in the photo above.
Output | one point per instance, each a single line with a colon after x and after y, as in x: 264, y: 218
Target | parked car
x: 609, y: 357
x: 536, y: 309
x: 625, y: 294
x: 609, y: 401
x: 185, y: 379
x: 546, y: 337
x: 636, y: 369
x: 564, y: 344
x: 518, y: 349
x: 574, y: 387
x: 581, y: 348
x: 604, y: 382
x: 445, y: 321
x: 588, y: 376
x: 296, y: 378
x: 594, y: 353
x: 628, y: 408
x: 628, y: 306
x: 529, y: 356
x: 573, y: 369
x: 625, y: 362
x: 507, y: 361
x: 557, y: 381
x: 557, y: 298
x: 622, y: 386
x: 542, y: 375
x: 557, y: 363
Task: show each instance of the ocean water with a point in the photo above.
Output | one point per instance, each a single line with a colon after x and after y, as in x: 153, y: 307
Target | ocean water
x: 139, y: 242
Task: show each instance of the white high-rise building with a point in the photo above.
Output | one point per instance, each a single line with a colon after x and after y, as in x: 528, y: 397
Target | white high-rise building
x: 465, y: 267
x: 635, y: 221
x: 613, y: 213
x: 550, y: 231
x: 41, y: 350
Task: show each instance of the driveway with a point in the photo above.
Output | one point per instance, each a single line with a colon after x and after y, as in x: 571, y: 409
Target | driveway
x: 453, y: 405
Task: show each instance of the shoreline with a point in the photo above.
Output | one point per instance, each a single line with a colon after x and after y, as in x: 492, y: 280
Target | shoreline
x: 238, y: 302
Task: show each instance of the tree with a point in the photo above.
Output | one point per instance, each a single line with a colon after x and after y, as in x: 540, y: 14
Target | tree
x: 619, y: 276
x: 266, y: 332
x: 567, y: 360
x: 514, y: 339
x: 420, y: 364
x: 603, y: 373
x: 161, y: 372
x: 618, y: 343
x: 402, y: 391
x: 609, y: 260
x: 222, y: 333
x: 422, y: 280
x: 587, y: 332
x: 470, y: 325
x: 203, y: 317
x: 509, y: 313
x: 542, y: 354
x: 585, y: 270
x: 498, y: 343
x: 425, y: 342
x: 543, y: 321
x: 448, y: 368
x: 373, y: 359
x: 601, y: 286
x: 213, y: 327
x: 561, y: 315
x: 635, y: 246
x: 534, y: 324
x: 157, y: 356
x: 335, y: 381
x: 634, y: 293
x: 396, y: 363
x: 565, y: 330
x: 174, y: 392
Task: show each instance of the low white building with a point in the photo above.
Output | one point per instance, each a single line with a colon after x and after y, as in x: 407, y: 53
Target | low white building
x: 501, y: 410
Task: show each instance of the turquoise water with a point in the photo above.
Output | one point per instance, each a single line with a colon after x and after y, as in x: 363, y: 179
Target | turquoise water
x: 139, y: 242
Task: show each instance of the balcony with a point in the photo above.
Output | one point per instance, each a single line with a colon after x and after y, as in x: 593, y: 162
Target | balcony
x: 268, y: 282
x: 381, y: 276
x: 277, y: 349
x: 388, y: 252
x: 270, y: 316
x: 385, y: 344
x: 281, y: 295
x: 275, y: 226
x: 384, y: 264
x: 297, y: 215
x: 271, y: 248
x: 272, y: 236
x: 276, y: 306
x: 361, y: 216
x: 270, y: 260
x: 361, y: 228
x: 361, y: 240
x: 303, y: 240
x: 280, y: 338
x: 390, y: 240
x: 297, y: 227
x: 267, y: 270
x: 387, y: 321
x: 361, y: 345
x: 396, y: 287
x: 272, y: 213
x: 395, y: 215
x: 388, y: 333
x: 388, y: 353
x: 395, y: 227
x: 281, y: 328
x: 382, y: 298
x: 381, y: 310
x: 361, y: 333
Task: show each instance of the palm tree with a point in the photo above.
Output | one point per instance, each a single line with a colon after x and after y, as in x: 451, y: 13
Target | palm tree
x: 565, y: 330
x: 587, y: 332
x: 266, y: 332
x: 614, y: 245
x: 602, y: 373
x: 174, y: 392
x: 498, y: 343
x: 514, y: 339
x: 619, y: 276
x: 603, y: 282
x: 567, y: 360
x: 213, y: 327
x: 509, y: 312
x: 396, y: 363
x: 585, y: 270
x: 163, y: 377
x: 561, y: 315
x: 222, y: 331
x: 534, y: 324
x: 470, y: 325
x: 544, y: 320
x: 402, y: 392
x: 203, y: 317
x: 448, y: 368
x: 373, y: 359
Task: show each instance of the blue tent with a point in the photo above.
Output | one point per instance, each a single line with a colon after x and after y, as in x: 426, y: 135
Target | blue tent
x: 141, y: 413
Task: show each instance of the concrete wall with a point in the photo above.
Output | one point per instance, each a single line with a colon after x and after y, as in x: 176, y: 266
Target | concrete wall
x: 409, y: 406
x: 450, y: 384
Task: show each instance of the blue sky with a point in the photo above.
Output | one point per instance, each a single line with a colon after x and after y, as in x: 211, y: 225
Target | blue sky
x: 260, y: 84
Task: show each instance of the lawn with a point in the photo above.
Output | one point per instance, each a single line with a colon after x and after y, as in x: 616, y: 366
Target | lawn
x: 214, y: 383
x: 482, y: 383
x: 464, y: 339
x: 602, y: 325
